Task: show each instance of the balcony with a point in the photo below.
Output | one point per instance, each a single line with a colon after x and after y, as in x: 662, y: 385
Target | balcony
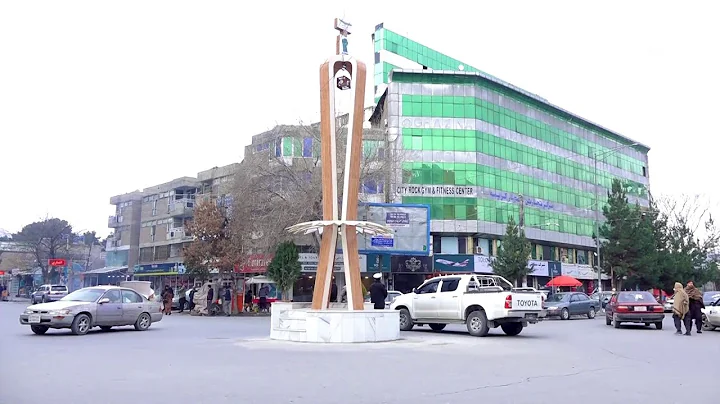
x: 115, y: 221
x: 178, y: 234
x: 115, y: 245
x: 181, y: 208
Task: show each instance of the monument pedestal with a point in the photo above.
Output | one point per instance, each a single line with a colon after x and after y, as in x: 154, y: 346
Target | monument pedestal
x: 297, y: 322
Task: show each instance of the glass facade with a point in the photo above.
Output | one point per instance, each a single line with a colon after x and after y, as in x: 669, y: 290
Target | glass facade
x: 474, y: 146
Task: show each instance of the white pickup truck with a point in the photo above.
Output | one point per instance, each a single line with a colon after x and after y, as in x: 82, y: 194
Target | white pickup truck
x: 479, y: 301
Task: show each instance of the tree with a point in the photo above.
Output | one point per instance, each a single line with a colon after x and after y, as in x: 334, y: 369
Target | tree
x: 284, y: 269
x: 512, y: 257
x: 691, y: 239
x: 278, y: 191
x: 211, y: 247
x: 48, y: 238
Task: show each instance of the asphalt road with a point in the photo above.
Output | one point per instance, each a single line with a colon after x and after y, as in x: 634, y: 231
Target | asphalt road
x: 230, y: 360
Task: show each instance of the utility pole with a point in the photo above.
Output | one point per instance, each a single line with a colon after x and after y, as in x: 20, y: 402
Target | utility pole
x: 521, y: 227
x: 597, y: 226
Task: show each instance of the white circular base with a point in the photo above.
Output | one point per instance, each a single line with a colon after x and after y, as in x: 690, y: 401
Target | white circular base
x: 297, y: 322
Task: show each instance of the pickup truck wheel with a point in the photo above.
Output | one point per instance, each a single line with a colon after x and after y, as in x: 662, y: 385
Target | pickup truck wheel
x: 591, y: 313
x: 565, y: 314
x: 477, y: 324
x: 436, y: 327
x: 512, y: 329
x: 406, y: 323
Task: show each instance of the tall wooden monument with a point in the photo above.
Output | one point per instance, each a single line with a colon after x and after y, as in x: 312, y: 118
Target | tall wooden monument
x: 341, y: 73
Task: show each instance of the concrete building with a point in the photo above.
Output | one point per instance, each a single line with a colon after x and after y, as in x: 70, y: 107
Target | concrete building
x: 151, y: 226
x: 475, y: 148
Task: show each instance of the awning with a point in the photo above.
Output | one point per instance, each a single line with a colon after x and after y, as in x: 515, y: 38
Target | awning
x: 103, y: 271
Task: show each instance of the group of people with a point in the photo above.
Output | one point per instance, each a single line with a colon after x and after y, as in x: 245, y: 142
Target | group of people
x: 687, y: 306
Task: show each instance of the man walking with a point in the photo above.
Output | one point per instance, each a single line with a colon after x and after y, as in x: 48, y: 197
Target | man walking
x: 696, y: 305
x: 182, y: 299
x: 680, y: 309
x: 227, y: 300
x: 210, y: 295
x: 378, y: 292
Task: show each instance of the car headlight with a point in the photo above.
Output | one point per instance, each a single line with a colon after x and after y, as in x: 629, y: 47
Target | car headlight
x: 59, y: 312
x: 28, y: 310
x: 552, y: 308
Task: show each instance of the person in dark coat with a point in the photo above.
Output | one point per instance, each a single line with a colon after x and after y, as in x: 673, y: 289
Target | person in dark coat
x: 333, y: 292
x: 210, y: 295
x: 695, y: 307
x: 378, y: 292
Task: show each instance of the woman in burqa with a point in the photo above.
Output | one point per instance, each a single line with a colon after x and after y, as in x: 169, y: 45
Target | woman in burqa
x: 696, y: 306
x: 680, y: 309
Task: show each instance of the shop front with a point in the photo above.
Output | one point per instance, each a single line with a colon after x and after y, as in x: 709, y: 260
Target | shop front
x: 587, y: 275
x: 161, y: 275
x: 304, y: 286
x: 408, y: 272
x: 537, y: 278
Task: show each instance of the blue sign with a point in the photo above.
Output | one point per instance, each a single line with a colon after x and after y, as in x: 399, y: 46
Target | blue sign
x: 382, y: 242
x: 507, y: 197
x: 397, y: 219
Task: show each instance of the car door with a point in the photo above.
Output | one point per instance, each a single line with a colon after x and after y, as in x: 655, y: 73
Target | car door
x: 448, y: 300
x: 713, y: 313
x: 132, y: 306
x: 110, y: 313
x: 584, y: 303
x: 425, y: 300
x: 574, y: 305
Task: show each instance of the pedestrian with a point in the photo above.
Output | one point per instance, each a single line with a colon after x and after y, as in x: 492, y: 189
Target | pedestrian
x: 191, y: 301
x: 210, y: 295
x: 248, y: 300
x: 680, y: 309
x: 343, y: 294
x: 378, y: 292
x: 167, y: 299
x: 333, y: 291
x: 227, y: 301
x: 263, y: 294
x: 182, y: 301
x: 696, y: 305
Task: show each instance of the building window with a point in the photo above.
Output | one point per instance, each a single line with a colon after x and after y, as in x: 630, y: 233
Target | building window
x: 437, y: 244
x: 462, y: 245
x: 307, y: 150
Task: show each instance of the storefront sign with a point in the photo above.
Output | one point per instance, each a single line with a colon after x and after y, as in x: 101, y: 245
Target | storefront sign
x: 436, y: 190
x: 378, y: 263
x: 255, y: 263
x: 578, y: 271
x: 380, y: 241
x: 410, y: 263
x: 160, y: 269
x: 513, y: 198
x: 453, y: 263
x: 309, y: 262
x: 397, y: 219
x: 483, y: 264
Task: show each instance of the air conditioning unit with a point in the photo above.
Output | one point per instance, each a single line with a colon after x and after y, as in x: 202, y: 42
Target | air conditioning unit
x: 478, y: 250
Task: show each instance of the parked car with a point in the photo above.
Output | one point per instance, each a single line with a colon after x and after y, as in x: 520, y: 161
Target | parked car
x: 176, y: 300
x: 48, y: 293
x: 567, y: 304
x: 480, y: 302
x: 97, y: 306
x: 668, y: 305
x: 710, y: 297
x: 711, y: 315
x: 634, y: 307
x: 392, y: 294
x: 602, y: 298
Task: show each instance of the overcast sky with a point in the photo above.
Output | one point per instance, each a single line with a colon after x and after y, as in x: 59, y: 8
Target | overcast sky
x: 99, y: 98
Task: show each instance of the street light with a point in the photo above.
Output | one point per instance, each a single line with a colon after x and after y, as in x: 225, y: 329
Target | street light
x: 597, y: 209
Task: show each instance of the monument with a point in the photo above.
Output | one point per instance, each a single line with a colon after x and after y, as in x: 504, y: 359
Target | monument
x: 323, y: 320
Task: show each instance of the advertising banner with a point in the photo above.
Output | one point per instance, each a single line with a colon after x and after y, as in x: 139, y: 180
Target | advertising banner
x: 453, y: 263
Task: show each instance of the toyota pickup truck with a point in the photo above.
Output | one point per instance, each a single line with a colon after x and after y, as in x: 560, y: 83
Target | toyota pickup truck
x: 479, y: 301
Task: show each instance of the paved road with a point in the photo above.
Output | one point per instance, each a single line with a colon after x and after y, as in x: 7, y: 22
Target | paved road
x: 230, y: 360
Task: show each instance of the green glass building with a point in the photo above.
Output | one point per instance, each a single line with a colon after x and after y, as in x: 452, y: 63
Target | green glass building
x: 473, y: 147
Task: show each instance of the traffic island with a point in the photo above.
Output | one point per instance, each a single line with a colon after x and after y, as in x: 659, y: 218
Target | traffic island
x: 298, y: 322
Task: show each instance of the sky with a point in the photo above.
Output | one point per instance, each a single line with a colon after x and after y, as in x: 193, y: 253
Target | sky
x: 100, y: 98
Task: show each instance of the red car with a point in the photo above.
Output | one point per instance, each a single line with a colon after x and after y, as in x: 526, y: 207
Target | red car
x: 634, y: 307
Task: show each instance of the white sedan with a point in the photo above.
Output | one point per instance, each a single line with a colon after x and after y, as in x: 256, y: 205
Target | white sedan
x: 711, y: 316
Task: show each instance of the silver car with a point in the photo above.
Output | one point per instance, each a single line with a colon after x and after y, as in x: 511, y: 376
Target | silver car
x: 48, y: 293
x: 97, y: 306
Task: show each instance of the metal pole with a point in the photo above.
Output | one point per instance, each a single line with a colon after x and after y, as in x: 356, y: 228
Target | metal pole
x: 597, y: 224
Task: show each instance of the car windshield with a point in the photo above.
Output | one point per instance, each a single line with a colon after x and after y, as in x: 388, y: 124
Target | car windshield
x: 636, y: 297
x: 711, y: 296
x: 58, y: 288
x: 557, y: 297
x: 84, y: 295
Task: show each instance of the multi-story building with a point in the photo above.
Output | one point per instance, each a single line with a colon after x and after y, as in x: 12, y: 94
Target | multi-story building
x: 151, y: 226
x: 476, y: 148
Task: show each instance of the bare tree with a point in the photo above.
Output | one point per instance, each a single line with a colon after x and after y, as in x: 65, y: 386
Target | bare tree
x: 47, y: 238
x: 695, y: 214
x: 273, y: 191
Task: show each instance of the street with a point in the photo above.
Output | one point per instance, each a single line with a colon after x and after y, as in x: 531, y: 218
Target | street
x: 230, y: 360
